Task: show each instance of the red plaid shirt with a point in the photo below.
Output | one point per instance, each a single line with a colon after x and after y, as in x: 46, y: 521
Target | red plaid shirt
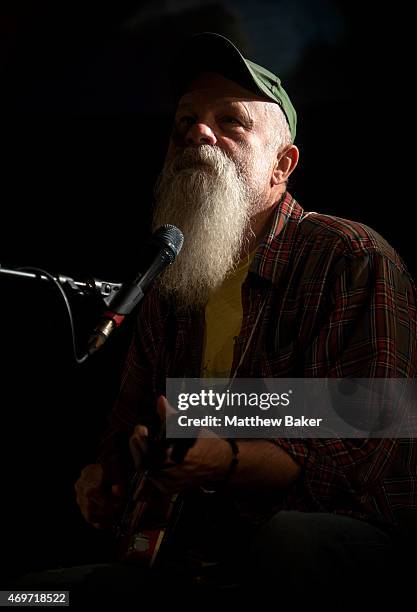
x: 337, y: 301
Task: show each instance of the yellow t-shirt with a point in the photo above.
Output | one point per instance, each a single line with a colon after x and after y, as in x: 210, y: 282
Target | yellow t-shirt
x: 223, y: 320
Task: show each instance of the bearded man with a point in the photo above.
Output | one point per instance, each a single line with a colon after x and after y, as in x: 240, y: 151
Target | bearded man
x: 263, y: 289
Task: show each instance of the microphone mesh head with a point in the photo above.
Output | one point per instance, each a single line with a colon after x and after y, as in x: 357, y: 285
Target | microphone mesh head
x: 169, y: 236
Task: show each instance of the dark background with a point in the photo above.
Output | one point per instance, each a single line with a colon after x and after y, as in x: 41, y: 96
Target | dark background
x: 85, y: 116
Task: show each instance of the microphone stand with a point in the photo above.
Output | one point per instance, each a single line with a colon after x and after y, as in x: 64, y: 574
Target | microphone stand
x: 90, y: 286
x: 106, y: 290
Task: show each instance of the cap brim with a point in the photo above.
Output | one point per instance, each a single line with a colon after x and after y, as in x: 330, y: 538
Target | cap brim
x: 210, y: 52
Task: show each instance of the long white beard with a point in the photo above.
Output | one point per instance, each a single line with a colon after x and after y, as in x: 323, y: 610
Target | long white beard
x: 202, y: 192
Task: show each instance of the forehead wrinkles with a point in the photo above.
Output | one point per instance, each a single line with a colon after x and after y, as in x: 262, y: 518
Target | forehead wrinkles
x: 208, y: 96
x: 214, y: 104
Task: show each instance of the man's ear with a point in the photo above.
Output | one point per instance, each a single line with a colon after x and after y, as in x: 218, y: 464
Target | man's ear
x: 285, y: 163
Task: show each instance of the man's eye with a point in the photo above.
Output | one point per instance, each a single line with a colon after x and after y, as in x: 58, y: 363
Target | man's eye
x: 185, y: 120
x: 232, y: 120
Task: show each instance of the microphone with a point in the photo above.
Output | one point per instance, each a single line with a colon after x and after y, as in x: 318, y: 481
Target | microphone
x: 160, y: 251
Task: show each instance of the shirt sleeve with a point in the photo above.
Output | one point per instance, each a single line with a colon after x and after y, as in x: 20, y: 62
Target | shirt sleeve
x: 369, y: 331
x: 114, y: 452
x: 136, y: 398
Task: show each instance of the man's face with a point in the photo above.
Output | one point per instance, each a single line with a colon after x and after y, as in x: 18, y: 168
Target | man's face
x: 218, y: 112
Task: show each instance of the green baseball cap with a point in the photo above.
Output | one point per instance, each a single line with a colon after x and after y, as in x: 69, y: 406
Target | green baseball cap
x: 211, y: 52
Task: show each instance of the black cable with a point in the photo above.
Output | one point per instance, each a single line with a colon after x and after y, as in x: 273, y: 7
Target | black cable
x: 79, y: 360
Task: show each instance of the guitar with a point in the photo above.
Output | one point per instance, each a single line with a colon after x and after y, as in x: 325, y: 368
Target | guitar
x: 149, y: 518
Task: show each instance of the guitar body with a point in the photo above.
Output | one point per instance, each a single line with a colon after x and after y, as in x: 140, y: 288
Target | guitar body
x: 148, y: 520
x: 151, y: 520
x: 202, y: 521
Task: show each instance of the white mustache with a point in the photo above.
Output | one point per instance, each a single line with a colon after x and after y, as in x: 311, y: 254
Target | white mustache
x: 195, y: 157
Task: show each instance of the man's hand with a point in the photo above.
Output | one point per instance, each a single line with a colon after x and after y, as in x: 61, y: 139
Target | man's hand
x: 263, y: 467
x: 99, y: 504
x: 207, y: 461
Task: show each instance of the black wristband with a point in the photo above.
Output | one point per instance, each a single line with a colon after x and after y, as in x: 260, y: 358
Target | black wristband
x: 234, y: 461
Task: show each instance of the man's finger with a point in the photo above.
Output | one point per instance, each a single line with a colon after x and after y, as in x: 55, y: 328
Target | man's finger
x: 118, y: 490
x: 138, y: 444
x: 164, y: 408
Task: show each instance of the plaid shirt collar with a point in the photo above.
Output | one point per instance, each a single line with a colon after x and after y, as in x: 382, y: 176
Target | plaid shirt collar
x: 274, y: 252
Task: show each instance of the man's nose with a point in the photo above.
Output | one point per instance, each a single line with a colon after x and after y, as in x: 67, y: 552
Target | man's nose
x: 200, y: 133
